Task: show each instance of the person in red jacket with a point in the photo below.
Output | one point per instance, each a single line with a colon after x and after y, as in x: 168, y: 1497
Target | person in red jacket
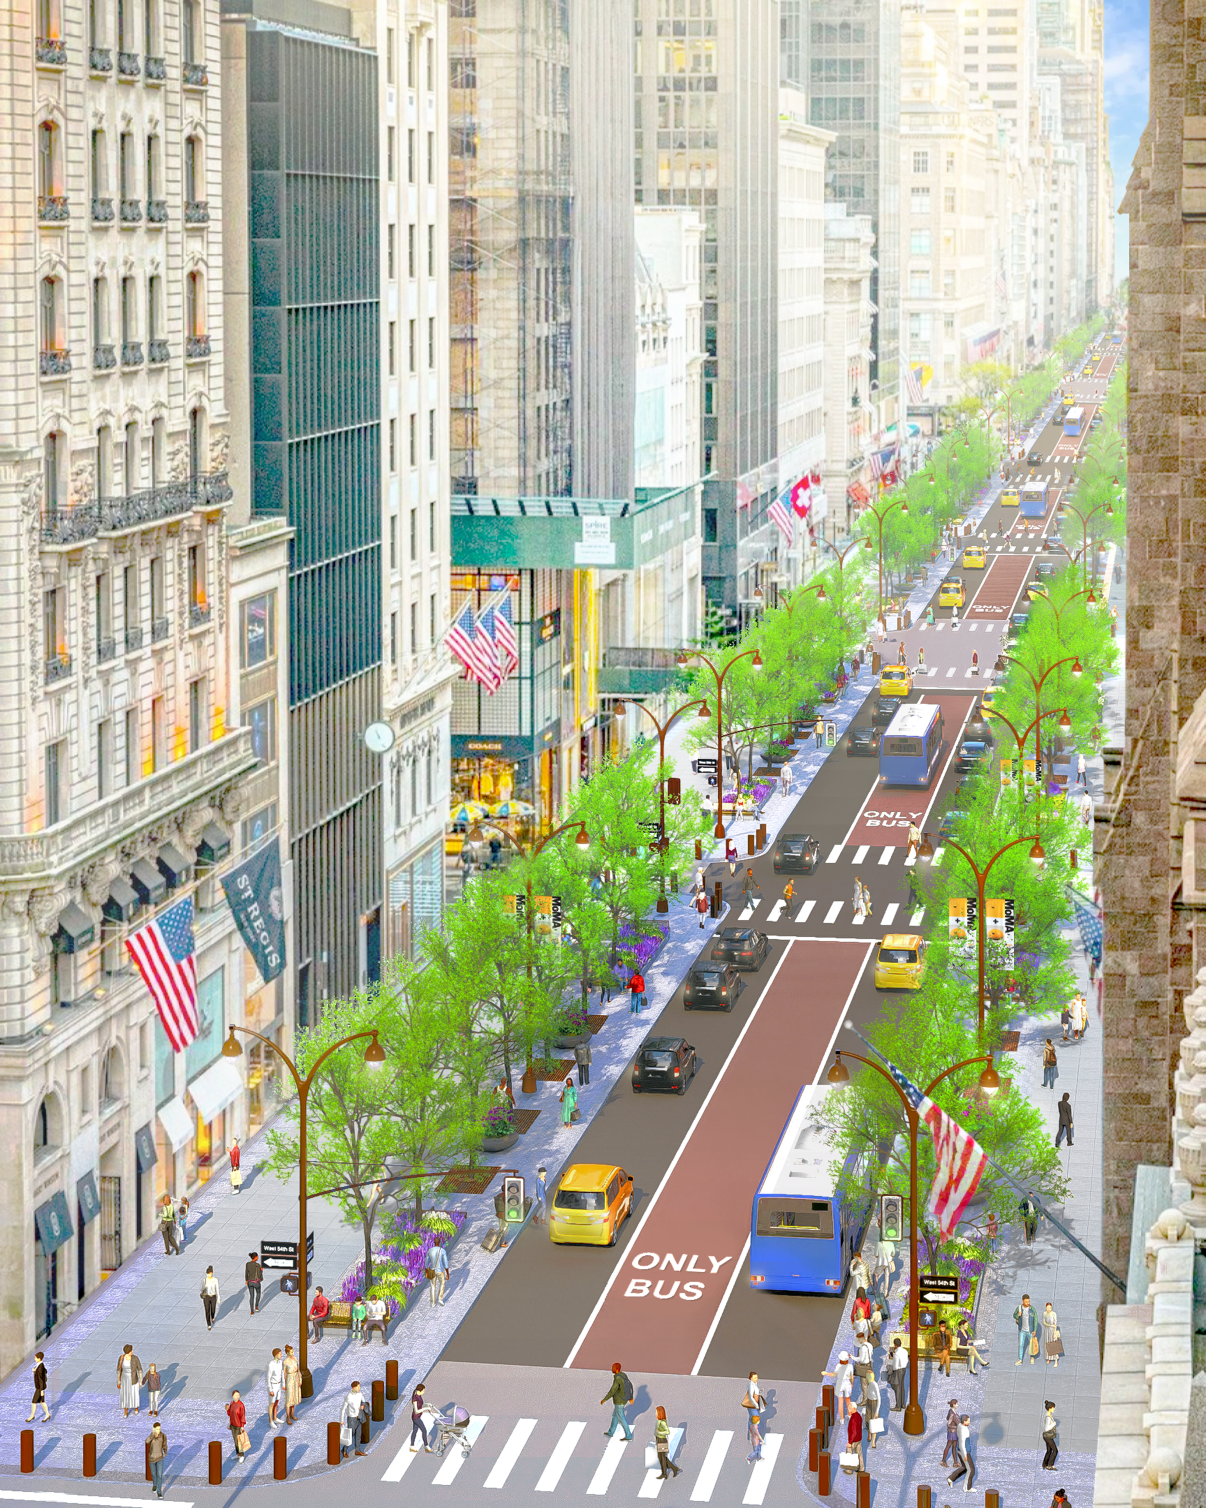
x: 854, y: 1437
x: 861, y: 1308
x: 237, y: 1415
x: 319, y: 1310
x: 637, y: 985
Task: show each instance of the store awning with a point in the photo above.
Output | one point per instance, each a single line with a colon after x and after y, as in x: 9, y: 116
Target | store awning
x: 217, y: 1087
x: 74, y: 931
x: 148, y: 882
x: 173, y: 866
x: 122, y: 903
x: 144, y: 1148
x: 214, y: 844
x: 177, y: 1122
x: 87, y: 1198
x: 53, y: 1222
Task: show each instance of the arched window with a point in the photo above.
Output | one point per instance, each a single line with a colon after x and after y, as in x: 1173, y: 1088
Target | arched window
x: 48, y: 1128
x: 193, y: 187
x: 113, y: 1078
x: 158, y: 451
x: 129, y: 310
x: 196, y: 442
x: 132, y: 460
x: 100, y: 312
x: 52, y: 471
x: 48, y: 160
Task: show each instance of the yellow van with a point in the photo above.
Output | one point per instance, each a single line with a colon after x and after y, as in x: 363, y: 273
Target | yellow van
x: 950, y: 593
x: 895, y: 680
x: 591, y: 1202
x: 973, y: 558
x: 1010, y: 497
x: 899, y: 962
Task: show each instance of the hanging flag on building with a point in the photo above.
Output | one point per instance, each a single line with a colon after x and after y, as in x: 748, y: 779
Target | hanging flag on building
x: 505, y: 641
x: 461, y: 640
x: 960, y: 1158
x: 255, y: 896
x: 165, y: 955
x: 745, y: 495
x: 1002, y: 284
x: 913, y: 385
x: 801, y: 499
x: 1091, y: 934
x: 491, y: 675
x: 782, y: 516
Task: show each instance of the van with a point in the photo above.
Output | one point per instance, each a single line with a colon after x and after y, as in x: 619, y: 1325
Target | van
x: 592, y: 1201
x: 899, y: 962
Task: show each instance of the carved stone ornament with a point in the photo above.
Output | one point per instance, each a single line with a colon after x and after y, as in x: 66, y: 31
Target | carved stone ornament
x: 83, y: 480
x: 44, y: 908
x: 98, y: 881
x: 233, y: 802
x: 193, y: 823
x: 219, y: 450
x: 178, y: 461
x: 31, y: 497
x: 16, y: 904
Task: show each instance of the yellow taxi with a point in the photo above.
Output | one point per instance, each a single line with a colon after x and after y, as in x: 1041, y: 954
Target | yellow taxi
x: 1010, y: 497
x: 950, y: 593
x: 591, y: 1201
x: 899, y: 962
x: 973, y: 558
x: 987, y: 698
x: 895, y: 680
x: 1035, y: 589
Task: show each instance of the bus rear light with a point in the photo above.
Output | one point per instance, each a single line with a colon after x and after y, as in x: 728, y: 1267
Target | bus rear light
x: 834, y: 1283
x: 755, y: 1279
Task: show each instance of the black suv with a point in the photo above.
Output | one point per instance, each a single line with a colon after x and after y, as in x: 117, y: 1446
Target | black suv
x: 741, y: 946
x: 1036, y: 458
x: 711, y: 987
x: 864, y: 742
x: 796, y: 853
x: 664, y: 1063
x: 886, y: 708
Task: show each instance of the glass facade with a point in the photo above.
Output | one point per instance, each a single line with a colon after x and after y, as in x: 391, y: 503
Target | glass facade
x: 415, y: 900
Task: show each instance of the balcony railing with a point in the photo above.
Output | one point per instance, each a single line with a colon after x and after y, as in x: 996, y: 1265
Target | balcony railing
x: 54, y: 363
x: 195, y: 76
x: 114, y: 515
x: 196, y: 347
x: 155, y: 70
x: 160, y: 629
x: 58, y: 668
x: 51, y: 52
x: 52, y: 209
x: 129, y: 65
x: 102, y: 210
x: 199, y: 613
x: 133, y: 639
x: 106, y: 649
x: 157, y: 212
x: 100, y: 60
x: 158, y: 353
x: 131, y: 211
x: 196, y: 211
x: 104, y: 358
x: 131, y: 353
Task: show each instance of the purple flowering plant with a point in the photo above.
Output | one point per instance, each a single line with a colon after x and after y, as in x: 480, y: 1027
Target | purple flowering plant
x: 399, y: 1262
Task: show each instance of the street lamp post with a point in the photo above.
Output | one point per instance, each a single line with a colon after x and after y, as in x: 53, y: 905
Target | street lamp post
x: 880, y: 517
x: 1084, y: 533
x: 620, y: 711
x: 374, y: 1056
x: 839, y: 1075
x: 1038, y: 682
x: 685, y: 657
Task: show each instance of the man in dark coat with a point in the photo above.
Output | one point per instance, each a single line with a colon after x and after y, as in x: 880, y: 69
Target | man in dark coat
x: 253, y: 1277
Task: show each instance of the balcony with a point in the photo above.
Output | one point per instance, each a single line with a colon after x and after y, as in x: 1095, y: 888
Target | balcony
x: 51, y: 52
x: 106, y: 650
x: 158, y: 353
x: 131, y: 353
x: 52, y: 209
x: 199, y: 614
x: 129, y: 65
x: 195, y: 76
x: 131, y: 211
x: 196, y: 211
x: 54, y: 363
x: 157, y: 212
x: 100, y: 60
x: 160, y: 628
x: 102, y: 211
x: 104, y: 358
x: 155, y: 71
x: 133, y: 639
x: 212, y: 489
x: 117, y: 515
x: 196, y: 347
x: 57, y: 668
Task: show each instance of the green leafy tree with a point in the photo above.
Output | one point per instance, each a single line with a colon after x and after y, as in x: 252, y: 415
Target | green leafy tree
x: 984, y: 381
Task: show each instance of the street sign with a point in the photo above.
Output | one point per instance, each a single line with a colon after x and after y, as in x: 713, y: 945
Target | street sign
x: 937, y: 1288
x: 704, y: 766
x: 283, y: 1254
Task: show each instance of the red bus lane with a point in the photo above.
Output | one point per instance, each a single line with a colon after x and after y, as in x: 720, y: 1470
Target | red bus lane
x: 661, y: 1302
x: 887, y: 812
x: 999, y: 590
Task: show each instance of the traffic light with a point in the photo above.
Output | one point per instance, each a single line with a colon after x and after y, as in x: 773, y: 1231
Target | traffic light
x: 513, y: 1196
x: 891, y: 1217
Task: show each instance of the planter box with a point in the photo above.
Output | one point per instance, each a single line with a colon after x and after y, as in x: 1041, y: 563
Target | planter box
x: 500, y: 1143
x: 577, y: 1041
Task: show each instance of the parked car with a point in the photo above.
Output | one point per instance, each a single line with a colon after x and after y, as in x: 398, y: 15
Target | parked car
x: 741, y: 946
x: 591, y: 1202
x: 886, y: 708
x: 1095, y: 421
x: 949, y: 822
x: 796, y: 853
x: 664, y: 1063
x: 711, y: 987
x: 864, y: 742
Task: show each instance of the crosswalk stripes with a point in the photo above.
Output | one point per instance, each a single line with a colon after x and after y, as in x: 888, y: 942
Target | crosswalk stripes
x: 886, y: 856
x: 510, y: 1453
x: 761, y: 1474
x: 454, y: 1458
x: 559, y: 1459
x: 950, y: 672
x: 861, y: 853
x: 915, y: 919
x: 652, y: 1485
x: 748, y: 912
x: 713, y: 1460
x: 857, y: 919
x: 831, y: 914
x: 972, y: 627
x: 805, y: 911
x: 889, y: 915
x: 606, y: 1468
x: 834, y: 853
x: 776, y: 911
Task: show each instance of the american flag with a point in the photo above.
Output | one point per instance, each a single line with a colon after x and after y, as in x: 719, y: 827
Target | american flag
x: 913, y: 385
x: 491, y: 675
x: 505, y: 641
x: 960, y: 1158
x: 164, y: 954
x: 781, y: 515
x: 1091, y: 934
x: 465, y: 643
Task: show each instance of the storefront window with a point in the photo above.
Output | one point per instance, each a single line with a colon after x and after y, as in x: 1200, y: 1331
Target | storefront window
x: 414, y: 901
x: 207, y: 1044
x: 165, y: 1065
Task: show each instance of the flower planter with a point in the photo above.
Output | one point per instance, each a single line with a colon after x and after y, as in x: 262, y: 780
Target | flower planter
x: 579, y: 1040
x: 500, y: 1143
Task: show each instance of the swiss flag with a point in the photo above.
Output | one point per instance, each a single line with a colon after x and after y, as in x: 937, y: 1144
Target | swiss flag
x: 801, y: 496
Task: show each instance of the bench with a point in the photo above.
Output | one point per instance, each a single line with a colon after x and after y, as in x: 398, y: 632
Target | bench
x: 340, y: 1317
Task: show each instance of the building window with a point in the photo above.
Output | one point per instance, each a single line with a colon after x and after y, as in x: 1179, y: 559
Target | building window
x: 948, y: 284
x: 391, y: 151
x: 393, y: 638
x: 194, y: 188
x: 919, y: 285
x: 948, y: 201
x: 154, y: 173
x: 431, y: 156
x: 919, y: 201
x: 50, y: 300
x: 129, y: 311
x: 56, y: 770
x: 431, y: 434
x: 393, y: 348
x: 194, y: 304
x: 393, y: 446
x: 158, y: 605
x: 410, y: 251
x: 158, y: 733
x: 950, y: 162
x: 431, y: 343
x: 389, y: 55
x: 100, y: 178
x: 258, y: 630
x: 393, y: 541
x: 158, y: 451
x: 414, y: 628
x: 261, y: 719
x: 198, y: 714
x: 412, y: 347
x: 198, y: 596
x: 414, y: 534
x: 132, y: 460
x: 391, y: 251
x: 430, y: 64
x: 196, y: 442
x: 412, y: 164
x: 102, y: 608
x: 132, y: 760
x: 100, y: 315
x: 921, y: 161
x: 131, y: 607
x: 52, y: 472
x: 413, y: 424
x: 431, y: 527
x: 431, y: 251
x: 258, y: 826
x: 432, y: 617
x: 104, y: 759
x: 190, y: 41
x: 48, y: 159
x: 54, y: 638
x: 919, y: 243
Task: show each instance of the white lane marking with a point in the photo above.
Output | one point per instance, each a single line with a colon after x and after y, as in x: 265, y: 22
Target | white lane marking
x: 860, y: 853
x: 941, y: 624
x: 890, y: 914
x: 831, y: 914
x: 776, y: 911
x: 950, y: 672
x: 972, y: 627
x: 606, y: 1468
x: 761, y: 1474
x: 886, y: 856
x: 748, y: 912
x: 834, y: 853
x: 911, y: 861
x: 73, y: 1497
x: 968, y: 672
x: 454, y: 1456
x: 709, y: 1472
x: 858, y: 818
x: 652, y: 1484
x: 400, y: 1465
x: 510, y: 1453
x: 559, y: 1460
x: 805, y: 911
x: 858, y: 919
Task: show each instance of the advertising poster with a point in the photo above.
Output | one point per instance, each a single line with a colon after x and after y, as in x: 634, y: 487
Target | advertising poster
x: 961, y: 925
x: 547, y: 916
x: 998, y: 927
x: 1009, y: 774
x: 1031, y: 769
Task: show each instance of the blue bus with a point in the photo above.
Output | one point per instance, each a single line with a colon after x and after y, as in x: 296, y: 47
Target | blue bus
x: 912, y: 746
x: 802, y: 1232
x: 1073, y: 419
x: 1033, y: 502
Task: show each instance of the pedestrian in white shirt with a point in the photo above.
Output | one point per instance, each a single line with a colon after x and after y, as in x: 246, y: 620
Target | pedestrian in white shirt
x: 275, y: 1381
x: 843, y: 1382
x: 351, y: 1418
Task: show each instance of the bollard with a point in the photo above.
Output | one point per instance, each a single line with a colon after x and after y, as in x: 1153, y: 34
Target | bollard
x: 875, y: 664
x: 862, y: 1489
x: 27, y: 1460
x: 391, y: 1380
x: 333, y: 1452
x: 749, y: 843
x: 924, y: 1498
x: 89, y: 1455
x: 814, y: 1448
x: 280, y: 1459
x: 378, y: 1401
x: 822, y: 1426
x: 992, y: 1498
x: 829, y: 1401
x: 762, y: 835
x: 824, y: 1474
x: 215, y: 1463
x: 147, y: 1463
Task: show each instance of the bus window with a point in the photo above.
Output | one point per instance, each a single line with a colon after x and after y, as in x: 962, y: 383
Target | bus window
x: 902, y: 746
x: 795, y: 1217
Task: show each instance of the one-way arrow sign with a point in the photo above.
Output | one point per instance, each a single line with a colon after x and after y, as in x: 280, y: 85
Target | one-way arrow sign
x: 937, y: 1288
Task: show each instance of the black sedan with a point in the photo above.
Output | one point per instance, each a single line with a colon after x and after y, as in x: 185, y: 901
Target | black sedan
x: 664, y: 1063
x: 1017, y: 622
x: 863, y: 741
x: 796, y: 853
x: 973, y: 752
x: 711, y: 987
x: 741, y: 946
x: 886, y: 708
x: 1036, y: 458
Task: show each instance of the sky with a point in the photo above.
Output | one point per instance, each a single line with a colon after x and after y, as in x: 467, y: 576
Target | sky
x: 1126, y: 89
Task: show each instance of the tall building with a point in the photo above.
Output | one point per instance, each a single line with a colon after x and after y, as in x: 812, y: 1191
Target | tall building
x: 304, y: 125
x: 667, y: 440
x: 706, y: 139
x: 849, y: 312
x: 140, y: 736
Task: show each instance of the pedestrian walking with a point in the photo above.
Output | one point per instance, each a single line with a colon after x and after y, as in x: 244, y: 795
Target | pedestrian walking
x: 417, y: 1423
x: 1030, y: 1219
x: 994, y: 1234
x: 914, y: 841
x: 437, y: 1262
x: 1065, y: 1120
x: 40, y: 1383
x: 156, y: 1448
x: 754, y: 1398
x: 859, y: 1275
x: 351, y: 1422
x: 359, y: 1310
x: 1050, y: 1065
x: 211, y: 1297
x: 275, y: 1382
x: 376, y: 1318
x: 1026, y: 1320
x: 1053, y: 1346
x: 569, y: 1103
x: 877, y: 1319
x: 636, y: 986
x: 236, y: 1166
x: 864, y: 1363
x: 154, y: 1386
x: 964, y: 1465
x: 167, y: 1227
x: 789, y: 891
x: 1080, y: 771
x: 701, y: 905
x: 500, y: 1214
x: 730, y: 854
x: 750, y: 887
x: 619, y: 1395
x: 954, y: 617
x: 896, y: 1368
x: 869, y: 1404
x: 1080, y: 1017
x: 540, y: 1208
x: 1050, y: 1433
x: 966, y: 1337
x: 952, y: 1431
x: 843, y: 1382
x: 182, y: 1209
x: 236, y: 1413
x: 1060, y: 1500
x: 319, y: 1309
x: 921, y: 657
x: 253, y: 1279
x: 860, y: 1310
x: 818, y: 732
x: 854, y: 1438
x: 1086, y: 809
x: 753, y: 1433
x: 785, y: 780
x: 975, y: 662
x: 661, y: 1439
x: 582, y: 1058
x: 292, y: 1385
x: 129, y: 1379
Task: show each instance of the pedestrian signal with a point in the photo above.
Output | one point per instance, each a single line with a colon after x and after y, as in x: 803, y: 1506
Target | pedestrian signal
x: 891, y: 1217
x: 513, y: 1197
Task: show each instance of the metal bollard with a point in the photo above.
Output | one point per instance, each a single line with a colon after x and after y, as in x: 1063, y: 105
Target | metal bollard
x: 27, y: 1450
x: 89, y: 1455
x: 862, y: 1490
x: 824, y: 1474
x: 814, y: 1448
x: 992, y: 1498
x: 147, y: 1453
x: 378, y: 1401
x: 215, y: 1463
x: 762, y: 835
x: 822, y: 1425
x: 924, y: 1498
x: 333, y: 1451
x: 829, y: 1400
x: 391, y: 1380
x: 280, y: 1459
x: 698, y: 849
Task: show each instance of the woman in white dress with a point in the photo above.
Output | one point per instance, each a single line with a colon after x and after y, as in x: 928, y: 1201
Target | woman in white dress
x: 859, y: 903
x: 129, y: 1378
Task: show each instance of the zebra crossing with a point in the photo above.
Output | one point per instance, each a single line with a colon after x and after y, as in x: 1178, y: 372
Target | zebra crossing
x: 835, y: 912
x: 506, y: 1449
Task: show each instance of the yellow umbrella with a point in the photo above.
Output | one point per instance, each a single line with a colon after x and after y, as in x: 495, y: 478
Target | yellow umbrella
x: 468, y: 811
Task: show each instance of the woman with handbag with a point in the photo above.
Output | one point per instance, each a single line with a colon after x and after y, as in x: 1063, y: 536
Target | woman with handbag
x: 754, y: 1398
x: 1053, y: 1347
x: 1051, y: 1449
x: 569, y: 1103
x: 236, y: 1168
x: 661, y: 1437
x: 237, y: 1415
x: 870, y: 1403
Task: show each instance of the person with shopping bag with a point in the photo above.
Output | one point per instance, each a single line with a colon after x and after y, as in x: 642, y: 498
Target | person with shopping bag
x: 662, y: 1443
x: 236, y: 1166
x: 569, y: 1104
x: 1026, y: 1320
x: 236, y: 1413
x: 1053, y: 1346
x: 852, y: 1458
